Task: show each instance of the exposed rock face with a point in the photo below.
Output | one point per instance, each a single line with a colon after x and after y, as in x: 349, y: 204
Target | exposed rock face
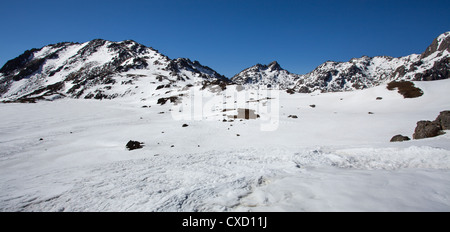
x: 440, y: 44
x: 399, y: 138
x: 426, y: 129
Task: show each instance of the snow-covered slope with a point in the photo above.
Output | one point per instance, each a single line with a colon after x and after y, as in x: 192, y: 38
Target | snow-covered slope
x: 70, y: 155
x: 96, y: 69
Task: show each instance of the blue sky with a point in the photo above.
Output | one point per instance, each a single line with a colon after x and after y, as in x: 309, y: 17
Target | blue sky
x: 231, y: 35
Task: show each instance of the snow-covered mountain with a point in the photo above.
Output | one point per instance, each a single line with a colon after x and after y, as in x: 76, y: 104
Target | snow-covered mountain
x: 366, y: 72
x: 358, y: 73
x: 270, y: 76
x: 96, y: 69
x: 103, y: 69
x: 302, y: 152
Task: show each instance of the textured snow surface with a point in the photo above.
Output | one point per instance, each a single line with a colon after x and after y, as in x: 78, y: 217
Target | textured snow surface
x: 333, y: 157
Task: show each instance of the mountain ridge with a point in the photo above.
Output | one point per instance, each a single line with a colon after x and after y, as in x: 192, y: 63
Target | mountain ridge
x: 100, y: 68
x: 76, y: 70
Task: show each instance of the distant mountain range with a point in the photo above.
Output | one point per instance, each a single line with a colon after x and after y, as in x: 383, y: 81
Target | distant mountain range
x: 358, y: 73
x: 103, y: 69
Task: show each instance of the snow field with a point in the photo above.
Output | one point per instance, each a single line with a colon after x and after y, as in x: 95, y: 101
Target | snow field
x: 333, y: 157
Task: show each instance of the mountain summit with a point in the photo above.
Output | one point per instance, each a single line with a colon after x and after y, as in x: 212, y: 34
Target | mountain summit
x: 270, y: 76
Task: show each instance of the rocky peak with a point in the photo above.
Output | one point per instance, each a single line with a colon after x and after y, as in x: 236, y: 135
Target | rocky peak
x: 441, y: 43
x: 17, y: 62
x: 270, y: 75
x: 273, y: 66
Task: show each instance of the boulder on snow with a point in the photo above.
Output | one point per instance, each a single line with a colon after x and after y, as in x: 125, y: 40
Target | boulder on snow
x: 444, y: 120
x: 293, y: 116
x: 173, y: 99
x: 399, y: 138
x: 426, y: 129
x: 244, y: 114
x: 132, y: 145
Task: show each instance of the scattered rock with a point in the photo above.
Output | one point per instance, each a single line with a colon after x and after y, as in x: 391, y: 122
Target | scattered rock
x: 132, y: 145
x: 399, y: 138
x: 41, y: 139
x: 379, y: 98
x: 238, y: 135
x: 172, y: 146
x: 426, y: 129
x: 173, y: 99
x: 290, y: 91
x: 185, y: 125
x: 292, y: 116
x: 312, y: 106
x: 370, y: 112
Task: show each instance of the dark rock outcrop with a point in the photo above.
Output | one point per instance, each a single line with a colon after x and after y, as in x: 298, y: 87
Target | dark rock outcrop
x: 162, y: 101
x: 427, y: 129
x: 400, y: 138
x: 132, y: 145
